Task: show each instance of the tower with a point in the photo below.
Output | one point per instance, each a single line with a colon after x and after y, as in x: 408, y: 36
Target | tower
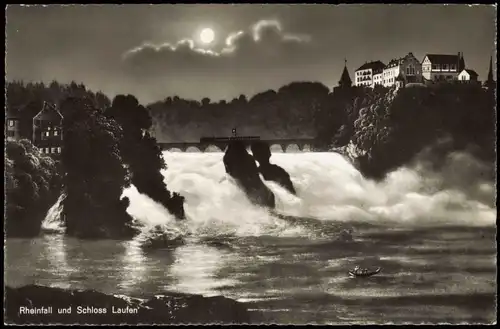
x: 345, y: 80
x: 490, y: 71
x: 489, y: 81
x: 461, y: 63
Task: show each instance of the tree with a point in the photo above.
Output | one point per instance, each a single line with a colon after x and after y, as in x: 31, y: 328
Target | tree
x: 142, y: 153
x: 95, y: 175
x: 33, y: 183
x: 205, y: 101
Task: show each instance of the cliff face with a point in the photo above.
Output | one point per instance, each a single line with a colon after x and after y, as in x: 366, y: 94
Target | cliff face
x: 92, y: 307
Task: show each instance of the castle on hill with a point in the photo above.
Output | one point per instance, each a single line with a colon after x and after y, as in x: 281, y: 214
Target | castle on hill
x: 399, y: 72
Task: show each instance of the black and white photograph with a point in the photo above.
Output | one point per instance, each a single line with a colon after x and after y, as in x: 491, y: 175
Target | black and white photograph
x: 257, y: 164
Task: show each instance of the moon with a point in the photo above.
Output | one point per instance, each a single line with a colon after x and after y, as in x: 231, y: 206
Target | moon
x: 207, y: 35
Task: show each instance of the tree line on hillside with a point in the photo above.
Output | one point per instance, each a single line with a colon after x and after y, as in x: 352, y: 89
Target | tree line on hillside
x: 289, y: 111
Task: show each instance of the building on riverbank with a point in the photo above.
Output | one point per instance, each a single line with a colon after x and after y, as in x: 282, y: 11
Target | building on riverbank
x: 48, y: 129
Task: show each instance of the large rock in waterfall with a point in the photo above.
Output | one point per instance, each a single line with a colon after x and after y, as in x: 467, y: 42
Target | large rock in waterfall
x: 93, y: 307
x: 242, y: 167
x: 271, y: 172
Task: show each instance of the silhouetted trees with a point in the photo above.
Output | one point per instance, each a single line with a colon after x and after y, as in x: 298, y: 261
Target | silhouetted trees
x: 390, y: 127
x: 32, y: 185
x: 142, y: 154
x: 289, y: 111
x: 20, y: 94
x: 95, y: 175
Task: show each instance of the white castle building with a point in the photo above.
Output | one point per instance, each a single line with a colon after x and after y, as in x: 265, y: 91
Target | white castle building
x: 408, y: 69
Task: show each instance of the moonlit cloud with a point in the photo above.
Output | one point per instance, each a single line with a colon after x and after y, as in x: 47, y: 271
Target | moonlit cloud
x: 263, y: 45
x: 257, y: 39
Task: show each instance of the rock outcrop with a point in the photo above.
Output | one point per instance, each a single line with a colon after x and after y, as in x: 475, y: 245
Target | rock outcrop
x: 242, y: 167
x: 93, y: 307
x: 271, y: 172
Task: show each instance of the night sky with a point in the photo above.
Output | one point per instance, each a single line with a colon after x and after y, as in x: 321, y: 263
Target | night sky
x: 155, y: 51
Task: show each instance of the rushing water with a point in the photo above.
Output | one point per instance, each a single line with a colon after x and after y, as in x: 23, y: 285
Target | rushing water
x: 433, y: 235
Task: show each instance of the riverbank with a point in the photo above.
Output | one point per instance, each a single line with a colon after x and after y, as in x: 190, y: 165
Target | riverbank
x: 33, y: 304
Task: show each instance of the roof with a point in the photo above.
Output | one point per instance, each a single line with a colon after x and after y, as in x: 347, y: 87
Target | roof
x: 398, y: 61
x: 394, y: 62
x: 443, y: 59
x: 375, y: 66
x: 472, y: 73
x: 345, y: 78
x: 48, y: 112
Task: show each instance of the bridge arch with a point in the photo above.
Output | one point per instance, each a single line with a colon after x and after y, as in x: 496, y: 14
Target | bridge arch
x: 212, y: 148
x: 193, y: 149
x: 276, y: 148
x: 293, y: 148
x: 175, y: 149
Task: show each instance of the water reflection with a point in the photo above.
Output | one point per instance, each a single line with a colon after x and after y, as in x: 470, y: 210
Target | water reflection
x: 54, y: 252
x: 196, y: 269
x: 426, y: 273
x: 134, y: 265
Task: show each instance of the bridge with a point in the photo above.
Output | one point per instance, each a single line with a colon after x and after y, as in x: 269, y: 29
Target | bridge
x: 222, y: 142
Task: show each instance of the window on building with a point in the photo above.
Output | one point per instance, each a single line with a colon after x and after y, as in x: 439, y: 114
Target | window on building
x: 445, y: 66
x: 59, y: 150
x: 453, y: 67
x: 49, y: 128
x: 47, y: 150
x: 435, y: 67
x: 11, y: 123
x: 10, y: 133
x: 410, y: 70
x: 47, y: 133
x: 52, y: 150
x: 56, y: 133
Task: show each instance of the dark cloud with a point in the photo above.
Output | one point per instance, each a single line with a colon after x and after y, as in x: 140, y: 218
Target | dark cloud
x: 257, y: 47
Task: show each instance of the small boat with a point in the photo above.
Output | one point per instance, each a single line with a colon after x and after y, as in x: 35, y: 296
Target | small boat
x: 357, y: 272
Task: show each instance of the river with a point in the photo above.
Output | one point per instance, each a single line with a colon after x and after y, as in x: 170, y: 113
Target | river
x: 432, y: 234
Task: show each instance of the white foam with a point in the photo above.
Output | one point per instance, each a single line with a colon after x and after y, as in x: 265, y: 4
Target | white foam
x: 328, y: 188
